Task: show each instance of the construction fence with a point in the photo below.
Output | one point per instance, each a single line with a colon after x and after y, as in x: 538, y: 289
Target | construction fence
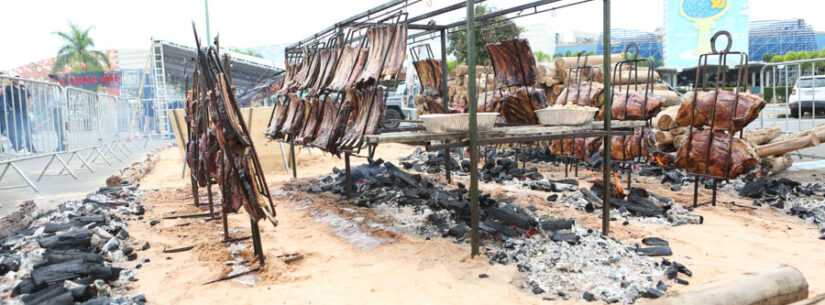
x: 59, y: 125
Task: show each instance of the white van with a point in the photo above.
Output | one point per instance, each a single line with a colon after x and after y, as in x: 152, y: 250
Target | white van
x: 808, y: 95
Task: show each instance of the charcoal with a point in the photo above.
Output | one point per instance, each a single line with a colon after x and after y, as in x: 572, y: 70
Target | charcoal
x: 58, y: 256
x: 652, y: 293
x: 98, y: 301
x: 9, y: 263
x: 493, y: 227
x: 140, y: 299
x: 25, y: 286
x: 673, y: 176
x: 649, y: 170
x: 654, y: 251
x: 73, y: 269
x: 566, y: 236
x: 80, y: 292
x: 552, y: 198
x: 681, y: 281
x: 552, y: 225
x: 483, y: 275
x: 459, y: 230
x: 655, y: 241
x: 76, y: 239
x: 513, y: 216
x: 54, y: 296
x: 57, y: 227
x: 587, y: 296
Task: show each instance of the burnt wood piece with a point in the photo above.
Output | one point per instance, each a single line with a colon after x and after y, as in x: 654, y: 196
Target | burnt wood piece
x: 56, y: 273
x: 75, y: 239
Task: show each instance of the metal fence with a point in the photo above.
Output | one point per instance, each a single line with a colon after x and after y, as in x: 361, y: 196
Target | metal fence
x: 793, y: 104
x: 57, y: 125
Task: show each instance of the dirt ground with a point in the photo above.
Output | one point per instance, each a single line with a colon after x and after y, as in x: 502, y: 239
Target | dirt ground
x: 410, y: 270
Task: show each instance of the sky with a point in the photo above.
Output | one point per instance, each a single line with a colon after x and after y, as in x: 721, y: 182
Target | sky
x: 28, y: 26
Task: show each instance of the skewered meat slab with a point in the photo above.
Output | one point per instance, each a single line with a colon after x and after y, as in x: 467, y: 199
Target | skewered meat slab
x: 632, y: 106
x: 312, y: 121
x: 513, y: 62
x: 747, y: 110
x: 368, y: 105
x: 294, y: 117
x: 429, y: 74
x: 629, y: 147
x: 348, y: 68
x: 328, y: 118
x: 388, y: 45
x: 694, y: 157
x: 281, y: 107
x: 580, y: 148
x: 587, y: 94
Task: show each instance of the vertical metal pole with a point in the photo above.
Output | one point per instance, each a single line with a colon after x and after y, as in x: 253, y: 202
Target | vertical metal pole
x: 195, y: 194
x: 608, y: 102
x: 813, y: 92
x: 209, y: 197
x: 292, y: 161
x: 347, y: 176
x: 473, y: 100
x: 445, y: 96
x: 256, y: 240
x: 696, y: 191
x: 206, y: 12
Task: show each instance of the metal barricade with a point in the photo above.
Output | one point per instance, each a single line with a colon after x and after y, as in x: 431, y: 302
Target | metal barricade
x: 44, y: 124
x: 787, y: 108
x: 31, y: 117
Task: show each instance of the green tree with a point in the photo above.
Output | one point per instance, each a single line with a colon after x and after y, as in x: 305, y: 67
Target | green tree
x: 76, y: 52
x: 543, y: 57
x: 493, y: 30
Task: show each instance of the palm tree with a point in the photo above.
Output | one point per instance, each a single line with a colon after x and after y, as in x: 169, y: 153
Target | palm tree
x: 77, y: 53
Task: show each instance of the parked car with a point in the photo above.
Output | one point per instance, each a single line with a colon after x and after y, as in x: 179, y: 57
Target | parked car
x: 808, y: 95
x: 399, y: 107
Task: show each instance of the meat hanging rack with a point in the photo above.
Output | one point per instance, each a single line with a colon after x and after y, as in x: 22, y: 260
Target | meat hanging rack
x: 708, y: 151
x: 220, y: 148
x: 343, y: 31
x: 634, y: 100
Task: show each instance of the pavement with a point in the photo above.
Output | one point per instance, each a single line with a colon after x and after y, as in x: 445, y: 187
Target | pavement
x: 55, y: 189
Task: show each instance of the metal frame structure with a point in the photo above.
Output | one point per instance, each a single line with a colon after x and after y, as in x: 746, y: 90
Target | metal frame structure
x: 428, y: 31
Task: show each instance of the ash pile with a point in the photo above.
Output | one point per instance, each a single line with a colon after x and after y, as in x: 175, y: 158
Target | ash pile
x: 806, y: 201
x: 636, y: 204
x: 547, y: 251
x: 74, y: 254
x: 499, y: 166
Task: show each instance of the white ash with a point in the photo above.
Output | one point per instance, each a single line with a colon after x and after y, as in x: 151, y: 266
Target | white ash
x: 601, y: 266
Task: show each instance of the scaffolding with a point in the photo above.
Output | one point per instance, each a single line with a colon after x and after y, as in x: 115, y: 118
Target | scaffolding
x: 777, y: 37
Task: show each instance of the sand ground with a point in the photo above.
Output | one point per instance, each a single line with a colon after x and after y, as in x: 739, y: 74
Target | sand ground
x: 410, y: 270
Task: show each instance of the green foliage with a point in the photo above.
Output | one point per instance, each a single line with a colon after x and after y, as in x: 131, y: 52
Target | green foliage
x: 249, y: 52
x: 794, y: 55
x: 778, y: 92
x: 494, y: 30
x: 76, y: 52
x: 543, y: 57
x: 451, y: 64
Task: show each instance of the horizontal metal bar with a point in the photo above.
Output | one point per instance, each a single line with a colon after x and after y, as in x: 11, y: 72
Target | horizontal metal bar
x: 528, y: 138
x: 349, y: 20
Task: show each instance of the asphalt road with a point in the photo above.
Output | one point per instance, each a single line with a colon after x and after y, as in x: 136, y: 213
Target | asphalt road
x: 55, y: 189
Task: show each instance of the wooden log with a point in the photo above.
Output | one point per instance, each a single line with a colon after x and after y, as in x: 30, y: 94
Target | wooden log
x: 664, y: 137
x: 762, y: 136
x: 565, y: 63
x: 779, y: 286
x: 802, y: 140
x: 819, y: 299
x: 666, y: 119
x: 775, y: 165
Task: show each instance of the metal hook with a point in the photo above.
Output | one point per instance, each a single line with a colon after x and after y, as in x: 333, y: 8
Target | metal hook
x: 713, y: 41
x: 635, y: 48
